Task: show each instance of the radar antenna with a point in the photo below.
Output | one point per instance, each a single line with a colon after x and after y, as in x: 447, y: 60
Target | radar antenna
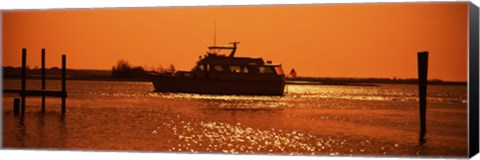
x: 214, y: 32
x: 233, y: 49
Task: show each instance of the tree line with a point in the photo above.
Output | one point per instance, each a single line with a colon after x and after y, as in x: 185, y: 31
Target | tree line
x: 125, y: 70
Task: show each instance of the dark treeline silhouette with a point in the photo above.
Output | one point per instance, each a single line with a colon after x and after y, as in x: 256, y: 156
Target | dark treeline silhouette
x: 361, y: 81
x: 124, y: 70
x: 15, y: 72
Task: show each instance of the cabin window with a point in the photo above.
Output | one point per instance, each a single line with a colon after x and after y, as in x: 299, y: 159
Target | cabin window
x: 235, y: 69
x: 253, y: 69
x: 238, y: 69
x: 200, y: 67
x: 244, y: 69
x: 218, y: 68
x: 267, y: 70
x: 279, y: 70
x: 207, y: 67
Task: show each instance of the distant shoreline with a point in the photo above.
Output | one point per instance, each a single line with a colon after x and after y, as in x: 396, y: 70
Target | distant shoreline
x: 363, y: 81
x: 106, y: 75
x: 84, y: 78
x: 331, y: 81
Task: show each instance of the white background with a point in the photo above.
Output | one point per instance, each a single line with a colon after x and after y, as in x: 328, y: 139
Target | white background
x: 81, y: 155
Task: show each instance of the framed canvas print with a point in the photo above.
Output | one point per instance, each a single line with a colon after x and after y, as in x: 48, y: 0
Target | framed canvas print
x: 357, y: 79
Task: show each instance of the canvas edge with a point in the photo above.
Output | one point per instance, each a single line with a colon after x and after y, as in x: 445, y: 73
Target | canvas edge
x: 473, y: 80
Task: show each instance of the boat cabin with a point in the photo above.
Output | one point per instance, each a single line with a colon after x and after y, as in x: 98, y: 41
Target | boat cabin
x: 221, y: 74
x: 213, y: 64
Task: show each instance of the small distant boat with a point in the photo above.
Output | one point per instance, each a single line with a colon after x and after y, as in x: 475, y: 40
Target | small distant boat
x: 221, y: 74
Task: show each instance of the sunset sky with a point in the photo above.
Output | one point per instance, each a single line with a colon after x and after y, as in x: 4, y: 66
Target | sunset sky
x: 328, y: 40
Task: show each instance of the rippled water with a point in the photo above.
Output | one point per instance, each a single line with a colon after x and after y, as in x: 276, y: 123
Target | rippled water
x: 309, y: 119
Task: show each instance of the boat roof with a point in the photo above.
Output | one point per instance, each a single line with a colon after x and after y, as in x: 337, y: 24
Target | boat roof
x: 224, y: 60
x: 243, y: 61
x: 214, y: 58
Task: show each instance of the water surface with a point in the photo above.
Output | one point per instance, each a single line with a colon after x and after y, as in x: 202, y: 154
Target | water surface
x: 309, y: 119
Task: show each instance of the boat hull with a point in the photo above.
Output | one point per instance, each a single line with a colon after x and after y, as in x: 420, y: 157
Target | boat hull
x: 164, y: 83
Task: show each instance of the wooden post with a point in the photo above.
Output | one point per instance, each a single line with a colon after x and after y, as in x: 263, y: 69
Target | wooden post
x: 24, y: 72
x: 64, y: 90
x: 43, y: 79
x: 16, y: 106
x: 422, y: 90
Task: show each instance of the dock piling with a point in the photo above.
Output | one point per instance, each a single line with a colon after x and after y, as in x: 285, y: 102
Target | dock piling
x: 24, y: 75
x: 64, y: 91
x: 16, y: 106
x: 422, y: 90
x: 23, y: 92
x: 43, y: 79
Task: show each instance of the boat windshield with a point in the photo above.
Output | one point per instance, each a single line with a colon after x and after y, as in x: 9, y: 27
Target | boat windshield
x: 279, y: 70
x: 219, y: 52
x: 265, y: 69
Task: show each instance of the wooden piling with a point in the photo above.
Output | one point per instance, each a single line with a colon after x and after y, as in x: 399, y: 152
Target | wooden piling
x: 64, y: 90
x: 43, y: 79
x: 23, y: 92
x: 24, y: 75
x: 422, y: 90
x: 16, y: 106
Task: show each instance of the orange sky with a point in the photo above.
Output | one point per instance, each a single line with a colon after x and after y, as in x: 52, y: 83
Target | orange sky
x: 329, y: 40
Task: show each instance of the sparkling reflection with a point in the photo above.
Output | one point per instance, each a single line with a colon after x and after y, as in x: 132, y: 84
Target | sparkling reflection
x: 318, y: 120
x: 219, y: 137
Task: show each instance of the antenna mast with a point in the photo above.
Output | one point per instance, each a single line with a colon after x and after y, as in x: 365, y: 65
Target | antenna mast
x: 214, y: 32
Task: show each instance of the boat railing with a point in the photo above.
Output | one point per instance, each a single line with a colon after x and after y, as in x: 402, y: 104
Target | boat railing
x: 233, y: 48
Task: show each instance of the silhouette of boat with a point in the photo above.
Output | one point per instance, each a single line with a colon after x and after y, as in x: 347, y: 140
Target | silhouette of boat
x: 220, y: 74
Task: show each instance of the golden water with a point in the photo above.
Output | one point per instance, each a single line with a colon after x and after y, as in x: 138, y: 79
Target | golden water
x: 318, y: 120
